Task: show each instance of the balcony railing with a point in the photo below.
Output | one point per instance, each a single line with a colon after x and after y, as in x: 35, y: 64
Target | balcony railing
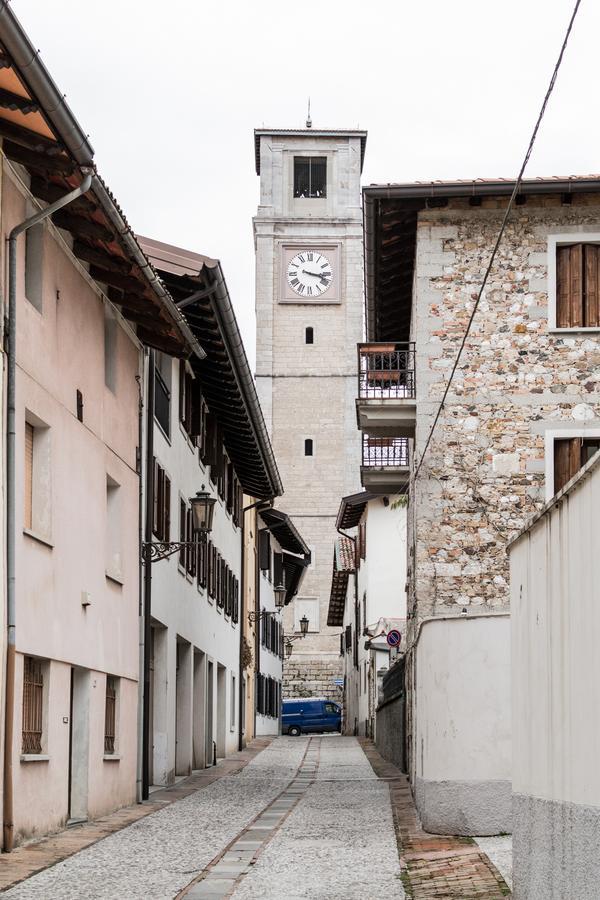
x: 383, y: 452
x: 386, y: 371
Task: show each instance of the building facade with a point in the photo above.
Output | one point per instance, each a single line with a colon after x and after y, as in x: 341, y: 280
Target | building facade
x: 554, y: 588
x: 208, y: 434
x: 76, y: 368
x: 367, y: 599
x: 521, y: 416
x: 309, y: 286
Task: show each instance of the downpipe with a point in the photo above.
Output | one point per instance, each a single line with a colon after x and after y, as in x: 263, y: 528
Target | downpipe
x: 8, y: 804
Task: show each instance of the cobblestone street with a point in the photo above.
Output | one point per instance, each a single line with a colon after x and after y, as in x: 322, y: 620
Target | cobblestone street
x: 320, y: 817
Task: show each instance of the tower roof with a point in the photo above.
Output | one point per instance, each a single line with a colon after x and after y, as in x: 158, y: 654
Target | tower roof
x: 309, y: 132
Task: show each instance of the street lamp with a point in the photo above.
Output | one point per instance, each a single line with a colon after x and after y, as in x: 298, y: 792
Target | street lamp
x: 304, y: 623
x: 279, y: 593
x: 203, y: 506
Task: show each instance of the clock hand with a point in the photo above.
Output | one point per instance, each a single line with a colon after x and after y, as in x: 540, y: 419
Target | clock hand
x: 315, y: 274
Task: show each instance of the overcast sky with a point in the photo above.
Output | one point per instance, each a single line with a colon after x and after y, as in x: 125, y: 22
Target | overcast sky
x: 169, y: 93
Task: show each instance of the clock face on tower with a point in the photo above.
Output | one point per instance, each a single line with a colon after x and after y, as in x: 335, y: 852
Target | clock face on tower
x: 309, y: 273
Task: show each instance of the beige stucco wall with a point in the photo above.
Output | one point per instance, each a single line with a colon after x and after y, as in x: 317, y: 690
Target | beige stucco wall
x: 59, y: 351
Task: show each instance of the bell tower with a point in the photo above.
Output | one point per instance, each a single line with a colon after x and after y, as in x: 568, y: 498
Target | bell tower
x: 309, y: 311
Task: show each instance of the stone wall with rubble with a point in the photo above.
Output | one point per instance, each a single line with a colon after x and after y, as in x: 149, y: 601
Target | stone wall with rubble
x: 313, y: 676
x: 483, y: 475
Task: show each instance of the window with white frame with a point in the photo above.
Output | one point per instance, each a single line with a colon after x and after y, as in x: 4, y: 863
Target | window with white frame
x: 113, y: 529
x: 567, y: 451
x: 574, y: 281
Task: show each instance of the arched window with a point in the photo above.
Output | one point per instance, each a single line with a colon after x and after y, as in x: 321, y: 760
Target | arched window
x: 308, y: 447
x: 310, y: 335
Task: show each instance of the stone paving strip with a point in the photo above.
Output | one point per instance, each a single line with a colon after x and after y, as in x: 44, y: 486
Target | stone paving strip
x: 157, y: 856
x: 434, y: 866
x: 338, y: 843
x: 221, y: 876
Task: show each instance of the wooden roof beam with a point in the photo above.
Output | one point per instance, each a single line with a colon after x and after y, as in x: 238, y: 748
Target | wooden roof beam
x: 40, y: 162
x: 100, y: 258
x: 79, y: 225
x: 49, y: 191
x: 29, y: 139
x: 11, y: 101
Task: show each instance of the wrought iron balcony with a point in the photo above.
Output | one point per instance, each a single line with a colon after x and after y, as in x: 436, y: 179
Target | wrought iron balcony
x: 385, y: 464
x: 386, y: 403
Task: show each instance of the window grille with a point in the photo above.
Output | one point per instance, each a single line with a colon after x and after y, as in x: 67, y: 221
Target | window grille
x: 33, y: 705
x: 110, y: 714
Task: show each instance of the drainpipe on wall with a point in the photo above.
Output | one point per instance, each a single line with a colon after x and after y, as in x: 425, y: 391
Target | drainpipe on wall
x: 147, y: 610
x: 11, y: 435
x: 260, y: 504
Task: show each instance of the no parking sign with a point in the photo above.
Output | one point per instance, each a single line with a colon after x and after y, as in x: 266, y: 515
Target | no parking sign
x: 393, y: 637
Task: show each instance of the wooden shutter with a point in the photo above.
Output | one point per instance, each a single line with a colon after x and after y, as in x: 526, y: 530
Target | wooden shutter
x: 278, y: 569
x: 166, y: 509
x: 182, y: 531
x: 363, y: 540
x: 567, y: 461
x: 28, y: 512
x: 181, y: 390
x: 591, y: 309
x: 196, y: 411
x: 155, y: 519
x: 264, y: 550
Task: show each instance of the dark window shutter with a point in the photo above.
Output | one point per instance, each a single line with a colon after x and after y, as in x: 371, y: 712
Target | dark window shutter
x: 278, y: 569
x: 181, y: 390
x: 576, y: 289
x: 264, y: 550
x: 166, y: 512
x: 591, y: 317
x: 182, y: 531
x: 363, y: 540
x: 196, y: 414
x: 155, y: 510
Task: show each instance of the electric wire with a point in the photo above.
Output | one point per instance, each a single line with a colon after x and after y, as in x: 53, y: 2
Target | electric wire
x: 500, y: 233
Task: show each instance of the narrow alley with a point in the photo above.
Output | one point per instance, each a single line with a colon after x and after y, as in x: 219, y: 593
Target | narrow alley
x: 308, y: 817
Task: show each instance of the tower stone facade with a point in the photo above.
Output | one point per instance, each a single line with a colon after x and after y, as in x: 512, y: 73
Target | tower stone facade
x: 309, y: 309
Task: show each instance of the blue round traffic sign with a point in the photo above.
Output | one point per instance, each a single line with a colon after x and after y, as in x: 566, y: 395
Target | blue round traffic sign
x: 393, y: 637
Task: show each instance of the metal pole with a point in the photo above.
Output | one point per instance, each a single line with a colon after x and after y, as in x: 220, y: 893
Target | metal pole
x: 11, y: 437
x: 146, y: 744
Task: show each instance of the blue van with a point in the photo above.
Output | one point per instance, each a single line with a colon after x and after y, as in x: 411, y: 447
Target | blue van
x: 310, y: 715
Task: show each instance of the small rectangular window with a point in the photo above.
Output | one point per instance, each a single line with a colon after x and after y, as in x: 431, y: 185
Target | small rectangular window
x: 110, y: 349
x: 33, y: 705
x: 110, y: 715
x: 34, y: 261
x: 308, y: 447
x: 310, y: 177
x: 310, y: 335
x: 113, y: 528
x: 162, y: 391
x: 28, y: 513
x: 37, y: 483
x: 578, y: 286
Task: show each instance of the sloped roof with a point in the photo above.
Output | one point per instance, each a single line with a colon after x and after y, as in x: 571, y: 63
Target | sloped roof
x: 343, y: 567
x: 40, y: 133
x: 198, y: 286
x: 352, y: 508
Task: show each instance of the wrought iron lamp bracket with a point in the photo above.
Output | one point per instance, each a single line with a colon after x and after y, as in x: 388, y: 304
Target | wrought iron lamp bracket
x: 153, y: 551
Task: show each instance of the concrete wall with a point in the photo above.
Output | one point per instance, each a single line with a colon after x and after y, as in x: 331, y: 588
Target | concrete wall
x: 462, y: 742
x: 555, y: 598
x: 308, y: 390
x: 77, y: 569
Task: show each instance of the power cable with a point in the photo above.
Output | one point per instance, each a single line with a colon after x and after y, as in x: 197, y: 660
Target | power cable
x: 500, y: 233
